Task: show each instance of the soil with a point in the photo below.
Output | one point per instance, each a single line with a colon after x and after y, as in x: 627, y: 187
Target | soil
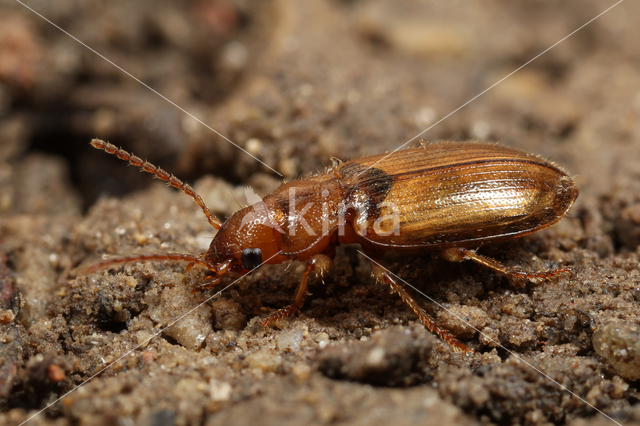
x: 294, y: 84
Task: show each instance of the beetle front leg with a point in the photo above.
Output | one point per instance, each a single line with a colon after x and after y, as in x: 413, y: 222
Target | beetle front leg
x: 458, y: 254
x: 320, y: 264
x: 211, y: 282
x: 382, y: 274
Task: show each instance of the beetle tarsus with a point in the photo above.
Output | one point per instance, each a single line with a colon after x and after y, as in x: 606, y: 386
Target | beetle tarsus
x: 539, y: 276
x: 208, y: 284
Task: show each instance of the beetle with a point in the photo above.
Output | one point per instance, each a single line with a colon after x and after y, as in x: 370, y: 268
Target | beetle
x: 446, y: 197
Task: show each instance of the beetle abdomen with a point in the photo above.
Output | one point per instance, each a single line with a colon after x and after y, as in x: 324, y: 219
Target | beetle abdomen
x: 448, y: 194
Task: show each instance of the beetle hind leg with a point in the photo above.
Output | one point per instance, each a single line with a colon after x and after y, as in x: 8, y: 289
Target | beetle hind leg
x: 382, y: 274
x: 320, y: 264
x: 458, y: 254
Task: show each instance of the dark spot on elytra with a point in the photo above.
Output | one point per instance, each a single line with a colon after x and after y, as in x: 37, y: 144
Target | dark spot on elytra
x: 368, y: 187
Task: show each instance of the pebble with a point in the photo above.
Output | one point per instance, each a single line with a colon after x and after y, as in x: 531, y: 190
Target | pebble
x: 619, y: 344
x: 290, y: 339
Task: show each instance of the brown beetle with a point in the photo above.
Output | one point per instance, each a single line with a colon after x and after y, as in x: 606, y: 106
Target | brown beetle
x: 449, y: 197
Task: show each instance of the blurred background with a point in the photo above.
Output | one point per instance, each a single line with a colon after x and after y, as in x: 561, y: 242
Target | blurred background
x: 295, y: 83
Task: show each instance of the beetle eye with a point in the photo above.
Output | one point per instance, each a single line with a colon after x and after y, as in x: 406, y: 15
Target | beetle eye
x: 251, y: 258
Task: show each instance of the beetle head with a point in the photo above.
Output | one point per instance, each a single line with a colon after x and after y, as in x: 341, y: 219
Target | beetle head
x: 245, y: 242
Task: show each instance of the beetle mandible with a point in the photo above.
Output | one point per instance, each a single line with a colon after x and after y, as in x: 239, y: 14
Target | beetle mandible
x: 446, y: 197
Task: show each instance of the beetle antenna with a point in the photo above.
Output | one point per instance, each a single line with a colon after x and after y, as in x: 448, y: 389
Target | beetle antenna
x: 178, y: 257
x: 160, y: 174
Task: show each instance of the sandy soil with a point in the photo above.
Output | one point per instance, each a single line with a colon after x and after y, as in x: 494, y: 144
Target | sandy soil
x: 294, y: 84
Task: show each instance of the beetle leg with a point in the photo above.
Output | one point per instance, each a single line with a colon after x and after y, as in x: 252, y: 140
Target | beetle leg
x: 209, y: 283
x: 320, y: 264
x: 382, y: 274
x: 458, y: 254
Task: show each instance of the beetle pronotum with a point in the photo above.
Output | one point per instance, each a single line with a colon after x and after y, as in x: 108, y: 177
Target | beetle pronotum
x: 447, y: 197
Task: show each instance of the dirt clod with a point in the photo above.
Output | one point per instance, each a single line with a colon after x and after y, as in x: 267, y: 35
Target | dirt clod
x: 619, y: 344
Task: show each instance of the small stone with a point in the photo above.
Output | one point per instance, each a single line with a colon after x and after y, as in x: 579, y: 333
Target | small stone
x: 619, y: 344
x: 320, y: 337
x: 219, y: 391
x: 254, y: 146
x: 266, y: 360
x: 290, y: 339
x: 389, y: 358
